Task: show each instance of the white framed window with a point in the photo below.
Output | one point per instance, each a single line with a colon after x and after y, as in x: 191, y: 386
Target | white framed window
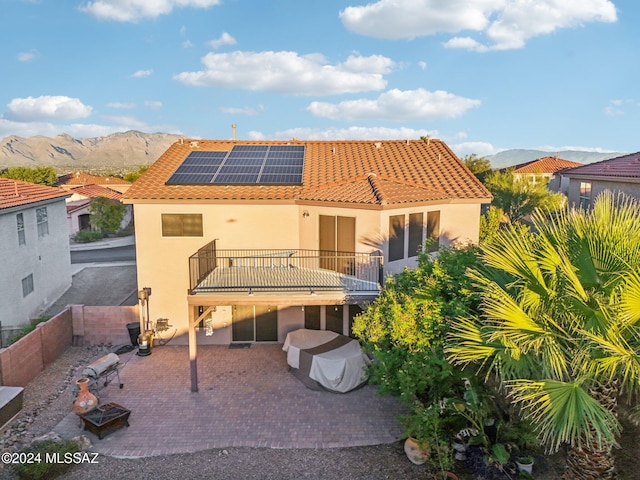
x: 27, y: 285
x: 42, y: 221
x: 22, y: 239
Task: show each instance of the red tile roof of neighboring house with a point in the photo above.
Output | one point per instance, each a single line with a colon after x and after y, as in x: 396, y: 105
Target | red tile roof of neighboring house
x: 625, y: 166
x: 14, y: 193
x: 545, y: 165
x: 353, y: 171
x: 77, y: 205
x: 71, y: 180
x: 94, y: 191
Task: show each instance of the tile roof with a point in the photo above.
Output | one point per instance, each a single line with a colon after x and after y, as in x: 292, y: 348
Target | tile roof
x: 14, y: 193
x: 77, y: 205
x: 94, y: 191
x: 624, y: 166
x: 545, y: 165
x: 82, y: 178
x: 365, y: 172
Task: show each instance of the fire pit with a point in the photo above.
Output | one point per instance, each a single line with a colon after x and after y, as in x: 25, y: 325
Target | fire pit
x: 106, y: 419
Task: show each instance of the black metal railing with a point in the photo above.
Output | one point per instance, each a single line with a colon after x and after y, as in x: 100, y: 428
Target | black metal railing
x: 361, y: 266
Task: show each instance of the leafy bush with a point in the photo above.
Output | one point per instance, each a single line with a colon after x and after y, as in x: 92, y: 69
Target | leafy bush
x: 87, y: 235
x: 47, y: 450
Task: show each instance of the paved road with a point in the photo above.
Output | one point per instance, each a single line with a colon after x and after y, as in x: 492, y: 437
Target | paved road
x: 115, y: 254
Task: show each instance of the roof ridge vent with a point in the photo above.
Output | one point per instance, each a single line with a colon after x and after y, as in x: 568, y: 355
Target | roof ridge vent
x: 194, y: 144
x: 377, y: 144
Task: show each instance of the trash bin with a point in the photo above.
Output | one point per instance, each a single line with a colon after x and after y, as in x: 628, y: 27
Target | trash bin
x: 134, y: 332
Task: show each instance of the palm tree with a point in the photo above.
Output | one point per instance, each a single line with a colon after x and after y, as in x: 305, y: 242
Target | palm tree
x: 560, y: 326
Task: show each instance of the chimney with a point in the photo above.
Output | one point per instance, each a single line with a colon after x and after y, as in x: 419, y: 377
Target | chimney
x: 233, y: 131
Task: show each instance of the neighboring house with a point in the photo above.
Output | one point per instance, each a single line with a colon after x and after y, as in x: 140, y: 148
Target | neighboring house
x: 84, y: 187
x: 549, y: 168
x: 78, y: 214
x: 77, y: 179
x: 36, y: 264
x: 620, y: 174
x: 245, y: 241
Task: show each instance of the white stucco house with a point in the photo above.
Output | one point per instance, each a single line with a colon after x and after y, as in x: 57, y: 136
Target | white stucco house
x: 34, y: 240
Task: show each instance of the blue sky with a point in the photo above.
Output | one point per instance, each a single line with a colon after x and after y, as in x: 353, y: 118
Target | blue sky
x: 482, y: 75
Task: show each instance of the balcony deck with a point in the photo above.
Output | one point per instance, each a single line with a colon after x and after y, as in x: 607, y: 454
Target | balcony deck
x: 214, y: 271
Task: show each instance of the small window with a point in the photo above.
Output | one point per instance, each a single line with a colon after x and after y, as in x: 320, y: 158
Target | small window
x: 585, y: 195
x: 433, y: 231
x: 415, y: 234
x: 396, y: 237
x: 27, y: 285
x: 182, y: 225
x: 22, y: 239
x: 43, y: 221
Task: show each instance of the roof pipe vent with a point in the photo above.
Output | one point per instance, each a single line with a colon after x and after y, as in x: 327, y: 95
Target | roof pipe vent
x: 378, y: 144
x: 233, y: 131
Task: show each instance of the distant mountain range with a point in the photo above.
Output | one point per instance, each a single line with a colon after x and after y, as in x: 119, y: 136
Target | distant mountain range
x: 128, y: 150
x: 510, y: 158
x: 119, y: 151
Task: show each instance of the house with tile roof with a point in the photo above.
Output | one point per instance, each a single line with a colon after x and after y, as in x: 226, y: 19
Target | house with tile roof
x: 78, y: 212
x: 79, y: 179
x: 549, y: 169
x: 245, y: 241
x: 34, y: 241
x: 84, y: 187
x: 620, y: 174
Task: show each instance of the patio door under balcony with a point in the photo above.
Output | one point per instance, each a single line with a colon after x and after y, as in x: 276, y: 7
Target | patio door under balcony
x: 254, y: 323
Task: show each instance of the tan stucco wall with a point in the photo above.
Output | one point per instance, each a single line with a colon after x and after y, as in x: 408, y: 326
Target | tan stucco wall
x: 598, y: 186
x: 162, y: 262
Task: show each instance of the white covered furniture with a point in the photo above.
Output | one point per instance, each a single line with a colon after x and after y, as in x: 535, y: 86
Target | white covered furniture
x: 322, y: 359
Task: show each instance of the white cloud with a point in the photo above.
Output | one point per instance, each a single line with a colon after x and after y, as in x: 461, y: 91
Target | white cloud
x: 240, y: 111
x: 506, y: 24
x: 225, y: 39
x: 289, y: 73
x: 422, y: 65
x: 616, y: 107
x: 135, y: 10
x: 124, y: 106
x: 350, y: 133
x: 479, y: 148
x: 46, y: 107
x: 397, y: 105
x: 142, y: 73
x: 187, y: 44
x: 153, y: 104
x: 27, y: 56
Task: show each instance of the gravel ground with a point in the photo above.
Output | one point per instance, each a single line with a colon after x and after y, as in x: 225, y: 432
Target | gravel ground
x: 47, y: 400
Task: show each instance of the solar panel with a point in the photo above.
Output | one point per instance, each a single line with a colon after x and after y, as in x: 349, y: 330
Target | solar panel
x: 243, y: 165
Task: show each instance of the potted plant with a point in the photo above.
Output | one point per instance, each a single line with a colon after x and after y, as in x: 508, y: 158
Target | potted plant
x: 525, y: 463
x: 418, y: 431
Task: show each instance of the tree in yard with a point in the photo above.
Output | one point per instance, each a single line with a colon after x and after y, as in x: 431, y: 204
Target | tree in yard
x: 40, y: 175
x: 519, y: 197
x: 135, y: 174
x: 405, y: 328
x: 106, y: 214
x: 479, y: 166
x: 560, y: 326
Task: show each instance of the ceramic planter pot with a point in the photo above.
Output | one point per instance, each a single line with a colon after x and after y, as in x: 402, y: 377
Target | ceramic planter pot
x: 85, y: 401
x: 524, y: 465
x: 413, y: 451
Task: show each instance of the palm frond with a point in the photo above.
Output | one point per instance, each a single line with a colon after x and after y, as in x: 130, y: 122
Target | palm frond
x: 563, y: 412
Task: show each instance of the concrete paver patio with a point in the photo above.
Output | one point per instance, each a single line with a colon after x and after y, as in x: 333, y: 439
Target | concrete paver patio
x: 246, y: 398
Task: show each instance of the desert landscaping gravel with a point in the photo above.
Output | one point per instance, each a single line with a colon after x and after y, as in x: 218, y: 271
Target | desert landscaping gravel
x: 48, y: 398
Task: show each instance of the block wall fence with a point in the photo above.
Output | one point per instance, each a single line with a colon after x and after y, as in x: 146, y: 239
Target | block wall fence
x: 76, y: 325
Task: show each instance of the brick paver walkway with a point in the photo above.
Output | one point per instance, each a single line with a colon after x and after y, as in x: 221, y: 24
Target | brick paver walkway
x: 246, y: 398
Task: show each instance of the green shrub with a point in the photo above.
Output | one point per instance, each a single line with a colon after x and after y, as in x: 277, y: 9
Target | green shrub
x: 48, y: 450
x: 24, y: 330
x: 88, y: 235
